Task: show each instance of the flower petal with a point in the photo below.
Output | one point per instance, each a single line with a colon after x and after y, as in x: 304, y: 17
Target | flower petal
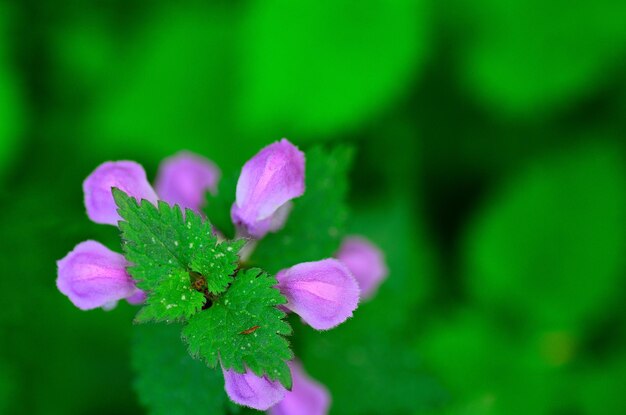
x: 93, y: 276
x: 323, y: 293
x: 261, y: 228
x: 137, y: 297
x: 365, y: 261
x: 250, y: 390
x: 125, y: 175
x: 308, y: 397
x: 184, y: 178
x: 267, y: 181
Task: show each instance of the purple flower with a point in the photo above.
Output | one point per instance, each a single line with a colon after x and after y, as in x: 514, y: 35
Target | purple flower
x: 248, y: 389
x: 308, y: 397
x: 93, y: 276
x: 323, y: 293
x: 365, y: 261
x: 268, y: 181
x: 125, y: 175
x: 184, y: 178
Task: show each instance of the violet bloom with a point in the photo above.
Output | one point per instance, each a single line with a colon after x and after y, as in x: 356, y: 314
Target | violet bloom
x: 93, y: 276
x: 324, y: 293
x: 307, y: 397
x: 184, y: 178
x: 250, y: 390
x: 267, y: 184
x: 128, y: 176
x: 365, y: 261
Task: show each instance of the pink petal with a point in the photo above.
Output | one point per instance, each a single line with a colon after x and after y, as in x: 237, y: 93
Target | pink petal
x: 184, y: 178
x: 136, y: 298
x: 125, y: 175
x: 93, y: 276
x: 308, y: 397
x: 248, y: 389
x: 323, y: 293
x: 261, y: 228
x: 365, y: 261
x: 267, y: 181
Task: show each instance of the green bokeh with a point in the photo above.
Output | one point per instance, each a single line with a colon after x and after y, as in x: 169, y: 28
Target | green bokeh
x: 551, y: 248
x: 11, y: 101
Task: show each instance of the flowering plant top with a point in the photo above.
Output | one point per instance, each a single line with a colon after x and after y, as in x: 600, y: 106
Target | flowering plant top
x: 180, y: 268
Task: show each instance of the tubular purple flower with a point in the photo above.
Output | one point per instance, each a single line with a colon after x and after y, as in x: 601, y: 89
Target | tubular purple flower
x: 323, y: 293
x: 125, y: 175
x: 93, y: 276
x: 307, y: 397
x: 248, y: 389
x: 267, y: 182
x: 365, y: 261
x: 184, y: 178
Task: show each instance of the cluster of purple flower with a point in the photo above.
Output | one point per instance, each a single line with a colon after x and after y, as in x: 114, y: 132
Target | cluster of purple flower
x: 323, y: 293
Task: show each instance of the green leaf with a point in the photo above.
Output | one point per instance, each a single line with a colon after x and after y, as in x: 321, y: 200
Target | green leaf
x: 316, y: 223
x: 244, y: 328
x: 217, y: 263
x: 550, y: 246
x: 167, y: 250
x: 171, y: 299
x: 169, y: 381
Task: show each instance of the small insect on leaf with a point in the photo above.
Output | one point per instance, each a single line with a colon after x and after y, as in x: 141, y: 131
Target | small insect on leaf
x: 250, y: 330
x: 198, y: 282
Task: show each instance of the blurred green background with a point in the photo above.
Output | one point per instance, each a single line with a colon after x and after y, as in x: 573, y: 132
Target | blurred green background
x: 489, y: 167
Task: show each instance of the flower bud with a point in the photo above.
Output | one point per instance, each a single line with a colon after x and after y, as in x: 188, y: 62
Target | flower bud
x: 128, y: 176
x: 307, y: 397
x: 267, y: 183
x: 248, y: 389
x: 93, y: 276
x: 323, y: 293
x: 184, y: 178
x: 365, y: 261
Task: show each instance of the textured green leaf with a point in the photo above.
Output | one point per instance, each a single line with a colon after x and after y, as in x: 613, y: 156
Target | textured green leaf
x: 169, y: 381
x: 223, y: 331
x: 316, y: 223
x: 164, y: 247
x: 217, y: 263
x: 171, y: 299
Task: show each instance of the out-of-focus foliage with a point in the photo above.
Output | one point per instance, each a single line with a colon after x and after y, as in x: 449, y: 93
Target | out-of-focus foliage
x: 557, y: 231
x: 170, y: 381
x: 531, y: 57
x: 489, y: 167
x: 316, y: 68
x: 11, y: 110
